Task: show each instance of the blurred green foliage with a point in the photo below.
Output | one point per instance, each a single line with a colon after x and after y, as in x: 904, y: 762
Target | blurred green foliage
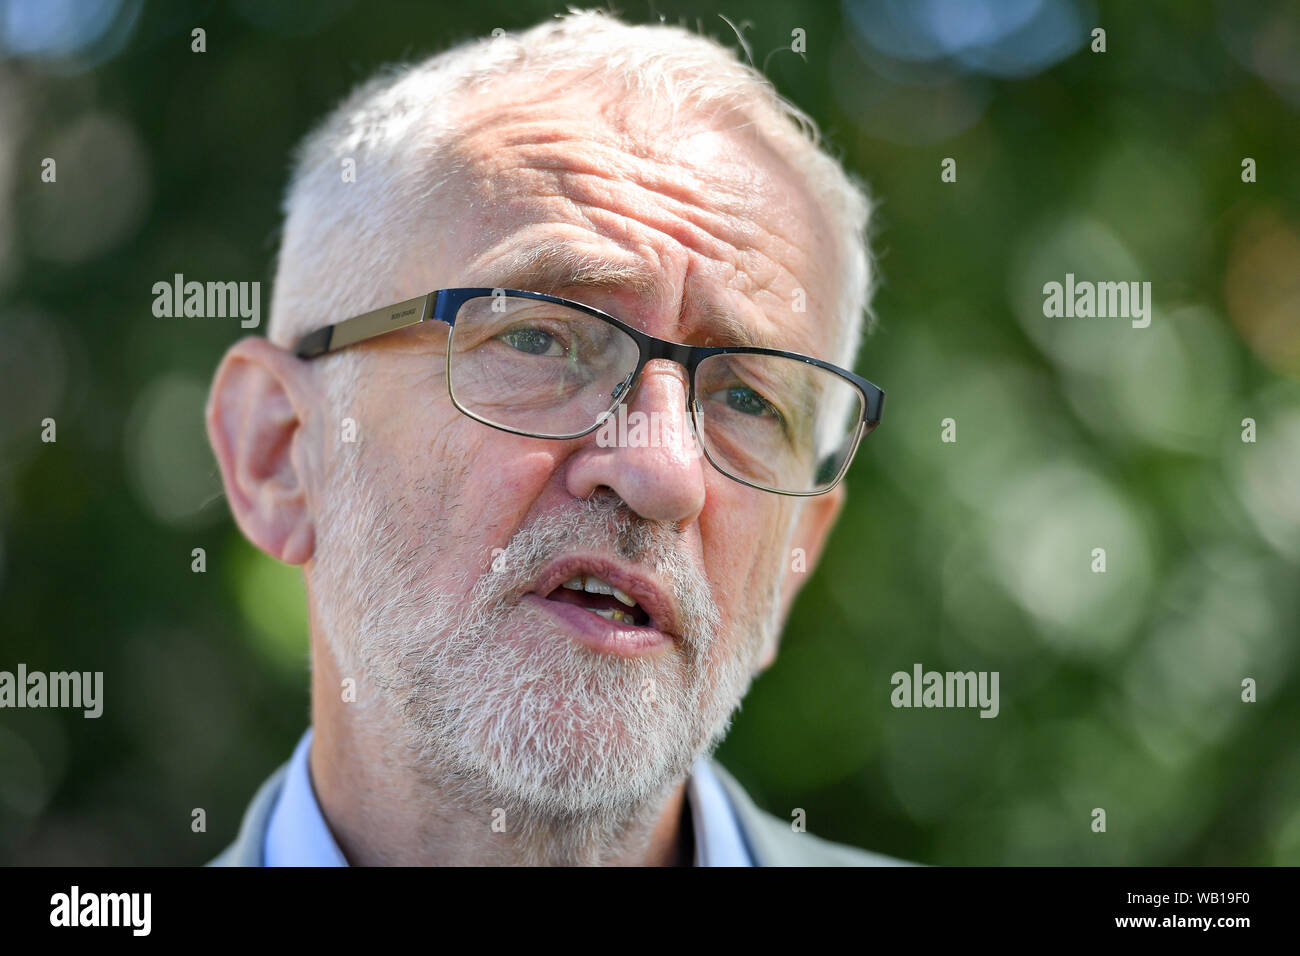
x: 1119, y: 690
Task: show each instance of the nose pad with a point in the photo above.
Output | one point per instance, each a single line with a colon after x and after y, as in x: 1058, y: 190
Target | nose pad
x: 620, y: 390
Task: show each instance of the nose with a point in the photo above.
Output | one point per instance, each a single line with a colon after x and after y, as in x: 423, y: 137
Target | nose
x: 646, y: 452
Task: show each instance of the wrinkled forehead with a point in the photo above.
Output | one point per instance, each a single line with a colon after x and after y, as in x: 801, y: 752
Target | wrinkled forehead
x: 648, y: 181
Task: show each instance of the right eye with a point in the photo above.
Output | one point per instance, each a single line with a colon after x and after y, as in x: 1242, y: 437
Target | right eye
x: 531, y: 341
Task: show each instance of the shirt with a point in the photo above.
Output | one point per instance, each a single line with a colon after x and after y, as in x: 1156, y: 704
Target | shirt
x: 297, y: 834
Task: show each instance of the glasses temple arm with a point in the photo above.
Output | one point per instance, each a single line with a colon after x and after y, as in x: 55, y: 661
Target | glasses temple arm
x: 331, y: 338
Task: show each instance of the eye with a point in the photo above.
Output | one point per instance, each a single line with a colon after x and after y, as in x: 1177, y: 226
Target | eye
x: 531, y: 341
x: 743, y: 399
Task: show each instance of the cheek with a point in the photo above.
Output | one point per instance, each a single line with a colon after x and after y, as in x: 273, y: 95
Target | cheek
x: 744, y: 534
x: 502, y: 480
x: 481, y: 483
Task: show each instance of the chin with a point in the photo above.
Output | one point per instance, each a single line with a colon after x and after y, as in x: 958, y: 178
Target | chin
x: 581, y: 761
x: 536, y: 746
x: 527, y: 717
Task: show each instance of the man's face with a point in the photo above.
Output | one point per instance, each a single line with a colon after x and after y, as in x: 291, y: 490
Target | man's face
x: 443, y: 545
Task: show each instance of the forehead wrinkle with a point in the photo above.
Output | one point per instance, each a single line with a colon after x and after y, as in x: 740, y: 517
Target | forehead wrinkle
x: 719, y: 214
x: 573, y: 140
x: 746, y: 241
x: 684, y: 213
x: 568, y: 154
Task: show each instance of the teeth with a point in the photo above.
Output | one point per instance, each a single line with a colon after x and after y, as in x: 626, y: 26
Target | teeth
x: 594, y: 585
x: 613, y: 614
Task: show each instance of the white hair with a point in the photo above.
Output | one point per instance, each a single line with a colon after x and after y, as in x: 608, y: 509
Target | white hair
x: 336, y: 255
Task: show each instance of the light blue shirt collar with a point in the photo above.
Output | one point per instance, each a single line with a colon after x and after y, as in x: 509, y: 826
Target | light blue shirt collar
x: 297, y: 835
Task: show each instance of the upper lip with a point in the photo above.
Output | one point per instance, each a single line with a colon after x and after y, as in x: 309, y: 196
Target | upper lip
x: 643, y: 588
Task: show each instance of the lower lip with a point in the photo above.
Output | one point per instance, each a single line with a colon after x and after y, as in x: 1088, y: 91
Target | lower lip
x: 602, y: 634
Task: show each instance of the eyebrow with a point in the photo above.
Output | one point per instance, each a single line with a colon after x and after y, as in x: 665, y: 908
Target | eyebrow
x: 553, y: 266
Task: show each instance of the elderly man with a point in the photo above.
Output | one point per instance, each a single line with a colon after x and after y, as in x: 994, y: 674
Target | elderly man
x: 547, y: 414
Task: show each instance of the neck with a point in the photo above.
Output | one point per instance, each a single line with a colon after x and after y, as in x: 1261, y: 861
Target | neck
x: 383, y: 809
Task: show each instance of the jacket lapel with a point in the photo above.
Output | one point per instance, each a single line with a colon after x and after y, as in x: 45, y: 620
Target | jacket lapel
x: 249, y: 846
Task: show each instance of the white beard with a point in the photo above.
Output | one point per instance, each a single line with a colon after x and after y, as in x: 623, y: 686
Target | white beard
x: 499, y: 709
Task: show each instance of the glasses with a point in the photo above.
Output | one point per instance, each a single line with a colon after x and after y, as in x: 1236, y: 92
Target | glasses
x: 546, y: 367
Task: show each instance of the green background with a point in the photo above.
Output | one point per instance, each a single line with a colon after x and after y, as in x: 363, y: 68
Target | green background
x: 1119, y: 690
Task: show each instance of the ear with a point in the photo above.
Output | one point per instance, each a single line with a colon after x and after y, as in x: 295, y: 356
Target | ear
x: 256, y: 411
x: 812, y: 527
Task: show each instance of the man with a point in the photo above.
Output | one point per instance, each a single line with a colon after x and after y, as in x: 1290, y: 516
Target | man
x: 545, y: 547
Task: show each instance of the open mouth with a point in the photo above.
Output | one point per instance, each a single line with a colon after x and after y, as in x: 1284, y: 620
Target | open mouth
x: 600, y: 598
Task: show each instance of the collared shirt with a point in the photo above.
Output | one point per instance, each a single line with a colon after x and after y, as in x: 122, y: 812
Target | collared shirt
x: 297, y: 835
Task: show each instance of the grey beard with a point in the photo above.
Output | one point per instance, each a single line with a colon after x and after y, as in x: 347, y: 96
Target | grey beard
x: 573, y: 751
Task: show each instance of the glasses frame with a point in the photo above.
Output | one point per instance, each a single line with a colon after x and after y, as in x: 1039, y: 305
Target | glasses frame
x: 443, y: 305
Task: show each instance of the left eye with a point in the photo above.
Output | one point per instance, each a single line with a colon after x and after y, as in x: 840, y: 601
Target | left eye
x: 743, y: 399
x: 530, y: 341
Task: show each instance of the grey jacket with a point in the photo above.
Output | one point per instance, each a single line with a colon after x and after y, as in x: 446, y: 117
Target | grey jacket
x: 771, y: 841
